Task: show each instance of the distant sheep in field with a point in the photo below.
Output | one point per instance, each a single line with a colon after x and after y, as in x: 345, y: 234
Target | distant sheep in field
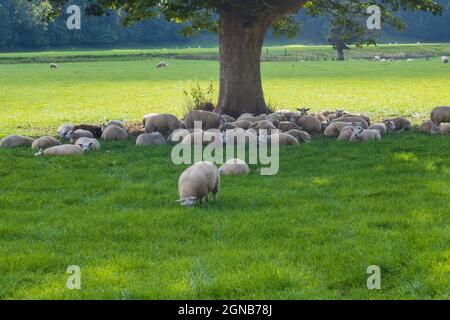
x: 209, y: 120
x: 88, y: 144
x: 162, y: 123
x: 283, y: 139
x: 118, y: 123
x: 440, y: 114
x: 308, y: 123
x: 334, y: 129
x: 361, y: 134
x: 301, y: 136
x: 53, y: 66
x: 428, y: 127
x: 64, y: 129
x: 286, y: 126
x: 377, y: 58
x: 381, y: 127
x: 400, y: 123
x: 150, y: 139
x: 162, y: 64
x: 197, y: 182
x: 95, y: 130
x: 79, y: 133
x: 114, y: 133
x: 234, y: 167
x: 444, y: 59
x: 44, y: 142
x: 62, y: 150
x: 445, y: 129
x: 15, y: 141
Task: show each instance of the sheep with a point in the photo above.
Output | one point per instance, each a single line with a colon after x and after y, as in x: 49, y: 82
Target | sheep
x: 319, y: 116
x: 149, y: 139
x: 334, y: 129
x: 87, y: 144
x: 301, y: 136
x: 197, y: 182
x: 276, y: 117
x: 287, y: 126
x: 440, y: 114
x: 353, y: 119
x: 64, y: 129
x: 75, y: 135
x: 283, y: 138
x: 62, y: 150
x: 228, y: 118
x: 146, y: 117
x: 427, y: 127
x: 15, y: 141
x: 113, y: 133
x: 239, y: 135
x: 377, y: 58
x: 445, y: 129
x: 227, y: 126
x: 400, y: 123
x: 118, y: 123
x: 53, y: 66
x: 390, y: 126
x: 264, y: 125
x: 162, y: 64
x: 381, y: 127
x: 163, y: 123
x: 205, y: 137
x: 331, y: 115
x: 444, y: 59
x: 244, y: 124
x: 361, y: 134
x: 209, y: 120
x: 44, y: 142
x: 234, y: 167
x: 95, y: 130
x: 346, y: 134
x: 308, y: 123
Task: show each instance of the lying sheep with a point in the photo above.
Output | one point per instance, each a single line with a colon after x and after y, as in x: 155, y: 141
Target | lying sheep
x: 440, y: 114
x: 324, y: 120
x: 234, y: 167
x: 162, y: 64
x: 334, y: 129
x: 163, y: 123
x: 88, y: 144
x: 228, y: 118
x: 346, y: 134
x: 283, y: 138
x: 308, y: 123
x: 361, y: 134
x: 209, y: 120
x: 287, y: 126
x: 114, y: 133
x: 301, y: 136
x: 62, y: 150
x: 444, y: 59
x: 353, y: 119
x: 445, y: 129
x: 276, y: 117
x: 381, y: 127
x: 332, y: 115
x: 239, y: 135
x: 118, y: 123
x: 243, y: 124
x: 203, y: 137
x: 429, y: 127
x: 196, y: 182
x: 64, y: 129
x: 400, y: 123
x: 263, y: 125
x: 15, y: 141
x: 150, y: 139
x: 95, y: 130
x: 44, y: 142
x: 79, y: 133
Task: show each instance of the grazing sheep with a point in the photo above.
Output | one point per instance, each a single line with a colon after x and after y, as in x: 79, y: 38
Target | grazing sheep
x: 400, y: 123
x: 64, y: 129
x: 334, y: 129
x: 283, y: 138
x: 15, y: 141
x: 444, y: 59
x: 114, y: 133
x: 53, y: 66
x: 163, y: 123
x: 87, y: 144
x: 346, y: 134
x: 301, y: 136
x: 353, y: 119
x: 95, y: 130
x: 361, y: 134
x: 162, y: 64
x: 150, y: 139
x: 234, y: 167
x: 44, y: 142
x: 308, y: 123
x: 62, y: 150
x: 79, y: 133
x: 440, y: 114
x: 118, y: 123
x: 445, y: 129
x: 381, y: 127
x: 209, y: 120
x: 287, y: 126
x: 196, y: 182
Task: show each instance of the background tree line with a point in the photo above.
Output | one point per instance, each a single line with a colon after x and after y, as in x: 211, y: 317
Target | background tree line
x: 22, y: 27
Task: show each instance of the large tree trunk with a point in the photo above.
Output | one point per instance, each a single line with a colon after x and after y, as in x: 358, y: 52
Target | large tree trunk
x: 241, y: 39
x: 340, y: 56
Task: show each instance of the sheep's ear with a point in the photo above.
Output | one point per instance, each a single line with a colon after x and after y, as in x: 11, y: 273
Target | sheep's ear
x: 308, y: 109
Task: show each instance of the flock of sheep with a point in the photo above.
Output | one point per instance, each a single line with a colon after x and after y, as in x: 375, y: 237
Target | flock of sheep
x: 203, y: 178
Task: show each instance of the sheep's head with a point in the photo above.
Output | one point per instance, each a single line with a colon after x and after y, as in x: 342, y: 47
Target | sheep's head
x: 85, y: 146
x: 222, y: 120
x: 390, y: 125
x: 69, y: 135
x: 187, y: 202
x: 357, y: 129
x: 339, y: 113
x: 303, y: 111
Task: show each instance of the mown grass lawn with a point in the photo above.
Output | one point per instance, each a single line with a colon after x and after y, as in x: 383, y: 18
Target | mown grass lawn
x: 310, y: 231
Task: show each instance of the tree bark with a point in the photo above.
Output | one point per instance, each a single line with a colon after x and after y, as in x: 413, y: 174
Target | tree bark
x: 340, y: 56
x: 241, y: 38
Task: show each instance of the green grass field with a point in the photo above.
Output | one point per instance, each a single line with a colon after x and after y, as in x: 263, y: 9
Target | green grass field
x: 308, y: 232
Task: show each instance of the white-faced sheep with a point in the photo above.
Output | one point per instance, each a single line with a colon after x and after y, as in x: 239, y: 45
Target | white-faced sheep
x: 53, y: 66
x: 444, y: 59
x: 209, y: 120
x: 88, y: 144
x: 44, y: 142
x: 64, y: 129
x: 305, y: 111
x: 196, y: 182
x: 301, y: 136
x: 62, y: 150
x: 283, y: 138
x: 400, y: 123
x: 234, y: 167
x: 334, y: 129
x: 353, y: 119
x: 440, y: 114
x: 150, y: 139
x: 307, y: 123
x: 15, y: 141
x: 163, y: 123
x: 80, y: 133
x: 361, y: 134
x: 114, y: 133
